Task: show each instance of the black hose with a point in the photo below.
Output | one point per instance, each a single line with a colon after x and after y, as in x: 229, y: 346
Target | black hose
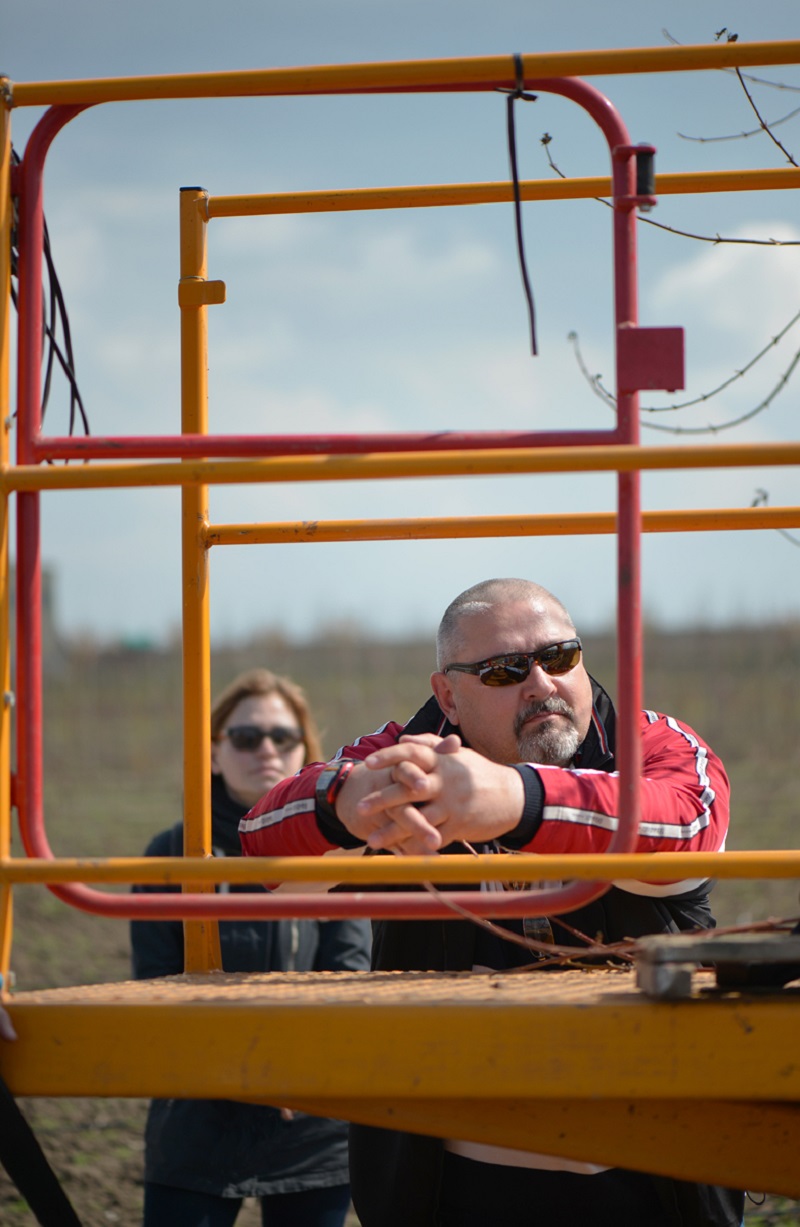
x: 27, y: 1165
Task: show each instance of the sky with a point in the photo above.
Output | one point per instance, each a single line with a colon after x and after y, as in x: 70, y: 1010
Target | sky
x: 406, y: 319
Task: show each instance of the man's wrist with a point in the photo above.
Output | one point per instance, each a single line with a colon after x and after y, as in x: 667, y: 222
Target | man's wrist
x: 330, y: 782
x: 532, y: 809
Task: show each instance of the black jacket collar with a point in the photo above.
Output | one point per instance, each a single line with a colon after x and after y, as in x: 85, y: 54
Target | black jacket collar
x: 225, y: 817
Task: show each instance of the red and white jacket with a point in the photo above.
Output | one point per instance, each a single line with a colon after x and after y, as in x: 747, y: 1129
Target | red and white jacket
x: 684, y: 797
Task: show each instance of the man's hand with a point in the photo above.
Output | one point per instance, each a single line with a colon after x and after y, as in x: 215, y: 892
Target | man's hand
x: 366, y: 822
x: 7, y: 1031
x: 464, y: 795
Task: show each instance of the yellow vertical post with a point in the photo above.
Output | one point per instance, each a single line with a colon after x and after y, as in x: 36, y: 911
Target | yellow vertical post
x: 6, y: 698
x: 201, y: 937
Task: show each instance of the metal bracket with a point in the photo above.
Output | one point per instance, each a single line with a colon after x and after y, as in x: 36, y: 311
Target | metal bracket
x: 650, y: 359
x: 195, y: 293
x: 665, y: 963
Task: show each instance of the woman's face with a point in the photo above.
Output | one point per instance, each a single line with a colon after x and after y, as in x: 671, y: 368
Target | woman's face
x: 248, y: 774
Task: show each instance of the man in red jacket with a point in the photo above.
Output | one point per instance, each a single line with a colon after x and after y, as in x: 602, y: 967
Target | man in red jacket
x: 513, y: 752
x: 510, y: 691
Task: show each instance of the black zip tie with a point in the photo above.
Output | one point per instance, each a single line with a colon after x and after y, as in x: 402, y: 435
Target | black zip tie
x: 513, y: 95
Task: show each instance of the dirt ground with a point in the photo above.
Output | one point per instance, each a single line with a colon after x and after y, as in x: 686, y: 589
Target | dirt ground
x: 95, y: 1147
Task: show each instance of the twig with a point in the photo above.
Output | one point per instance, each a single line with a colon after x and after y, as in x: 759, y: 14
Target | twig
x: 770, y: 925
x: 738, y: 136
x: 761, y: 500
x: 596, y: 384
x: 794, y: 89
x: 549, y: 954
x: 745, y: 417
x: 762, y: 122
x: 715, y: 239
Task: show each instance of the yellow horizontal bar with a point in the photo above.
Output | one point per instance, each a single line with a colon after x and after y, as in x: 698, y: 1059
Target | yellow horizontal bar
x: 472, y: 73
x: 383, y: 465
x: 450, y: 194
x: 556, y: 525
x: 749, y: 1143
x: 639, y: 866
x: 500, y: 1037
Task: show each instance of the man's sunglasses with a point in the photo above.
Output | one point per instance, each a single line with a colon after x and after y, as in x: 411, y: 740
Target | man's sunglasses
x: 556, y: 660
x: 250, y: 737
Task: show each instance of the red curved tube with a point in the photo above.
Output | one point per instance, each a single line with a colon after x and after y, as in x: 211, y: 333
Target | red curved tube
x: 31, y: 448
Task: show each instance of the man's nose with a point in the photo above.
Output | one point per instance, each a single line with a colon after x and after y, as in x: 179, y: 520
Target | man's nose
x: 538, y: 684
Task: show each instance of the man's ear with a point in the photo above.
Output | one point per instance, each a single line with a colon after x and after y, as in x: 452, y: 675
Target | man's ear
x: 444, y: 696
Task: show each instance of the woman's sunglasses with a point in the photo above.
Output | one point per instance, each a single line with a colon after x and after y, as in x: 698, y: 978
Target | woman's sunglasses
x: 556, y: 660
x: 250, y: 737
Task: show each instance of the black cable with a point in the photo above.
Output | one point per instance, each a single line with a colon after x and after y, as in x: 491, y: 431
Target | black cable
x: 65, y: 364
x: 513, y: 95
x: 54, y: 311
x: 68, y: 364
x: 27, y: 1165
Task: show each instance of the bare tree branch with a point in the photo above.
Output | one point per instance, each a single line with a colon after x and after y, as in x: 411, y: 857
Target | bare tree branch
x: 596, y: 384
x: 792, y: 89
x: 684, y: 234
x: 739, y: 136
x: 762, y: 122
x: 745, y: 417
x: 552, y: 955
x: 761, y: 499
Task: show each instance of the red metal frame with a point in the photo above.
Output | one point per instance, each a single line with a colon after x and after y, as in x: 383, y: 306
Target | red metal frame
x: 32, y: 448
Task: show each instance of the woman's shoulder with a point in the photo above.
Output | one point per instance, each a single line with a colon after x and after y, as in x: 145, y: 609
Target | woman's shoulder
x: 166, y: 843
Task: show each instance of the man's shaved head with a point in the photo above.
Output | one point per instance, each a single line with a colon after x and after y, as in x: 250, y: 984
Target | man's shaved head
x: 481, y: 598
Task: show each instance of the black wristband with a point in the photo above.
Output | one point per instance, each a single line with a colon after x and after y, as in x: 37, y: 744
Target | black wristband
x: 532, y: 809
x: 330, y: 782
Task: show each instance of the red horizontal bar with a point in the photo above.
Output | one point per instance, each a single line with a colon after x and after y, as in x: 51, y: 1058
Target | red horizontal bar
x: 383, y: 905
x: 179, y: 447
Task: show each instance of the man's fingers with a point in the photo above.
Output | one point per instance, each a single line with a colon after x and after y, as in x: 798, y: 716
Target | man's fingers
x: 441, y: 745
x: 421, y: 784
x: 421, y: 755
x: 420, y: 739
x: 409, y: 787
x: 402, y: 834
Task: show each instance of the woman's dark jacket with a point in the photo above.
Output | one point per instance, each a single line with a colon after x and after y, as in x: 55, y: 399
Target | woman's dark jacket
x: 218, y: 1146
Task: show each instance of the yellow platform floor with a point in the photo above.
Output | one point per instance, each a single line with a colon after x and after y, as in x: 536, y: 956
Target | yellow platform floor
x: 576, y: 1063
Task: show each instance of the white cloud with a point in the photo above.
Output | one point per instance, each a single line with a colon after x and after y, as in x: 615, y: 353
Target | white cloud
x: 742, y: 291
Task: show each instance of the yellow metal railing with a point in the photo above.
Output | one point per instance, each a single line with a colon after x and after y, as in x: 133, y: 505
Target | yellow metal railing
x: 376, y: 466
x: 194, y: 477
x: 631, y: 866
x: 476, y: 73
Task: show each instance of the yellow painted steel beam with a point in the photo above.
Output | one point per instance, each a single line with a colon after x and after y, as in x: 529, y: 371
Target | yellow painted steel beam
x: 750, y: 1145
x: 380, y: 466
x: 588, y: 1035
x: 200, y: 937
x: 454, y: 194
x: 636, y: 866
x: 552, y: 525
x: 550, y: 1058
x: 473, y: 73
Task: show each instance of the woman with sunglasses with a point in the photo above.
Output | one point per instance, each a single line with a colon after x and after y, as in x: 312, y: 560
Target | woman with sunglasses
x: 203, y: 1157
